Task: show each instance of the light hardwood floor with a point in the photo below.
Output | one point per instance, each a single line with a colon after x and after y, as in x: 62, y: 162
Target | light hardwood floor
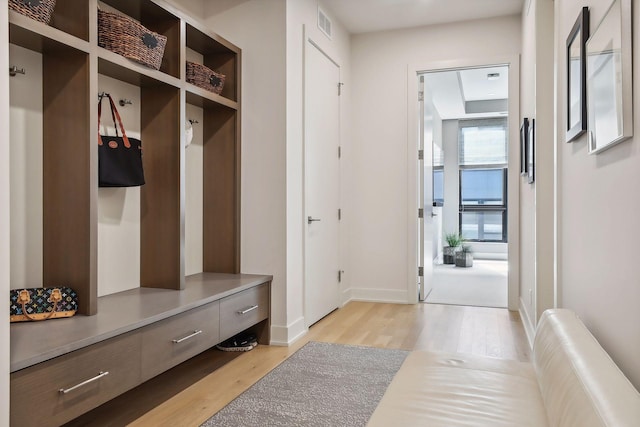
x: 189, y: 394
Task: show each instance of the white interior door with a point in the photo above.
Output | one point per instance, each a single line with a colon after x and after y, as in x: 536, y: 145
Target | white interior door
x: 322, y: 184
x: 425, y: 196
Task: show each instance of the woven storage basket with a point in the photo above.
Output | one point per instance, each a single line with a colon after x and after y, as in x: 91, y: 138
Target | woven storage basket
x: 40, y: 10
x: 127, y: 37
x: 204, y: 77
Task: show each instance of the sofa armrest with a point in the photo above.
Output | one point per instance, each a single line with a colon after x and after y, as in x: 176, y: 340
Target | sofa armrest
x: 580, y: 385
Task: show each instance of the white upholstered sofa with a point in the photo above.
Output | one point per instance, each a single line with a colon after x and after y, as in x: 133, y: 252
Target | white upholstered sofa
x: 571, y: 382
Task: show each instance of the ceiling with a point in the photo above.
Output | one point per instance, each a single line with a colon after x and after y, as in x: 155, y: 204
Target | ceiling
x: 363, y: 16
x: 453, y: 92
x: 457, y: 92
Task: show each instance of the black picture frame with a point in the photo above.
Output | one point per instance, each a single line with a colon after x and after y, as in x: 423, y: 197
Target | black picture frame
x: 577, y: 77
x: 524, y: 136
x: 531, y: 150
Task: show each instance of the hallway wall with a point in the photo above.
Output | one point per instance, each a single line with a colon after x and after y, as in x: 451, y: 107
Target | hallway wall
x: 598, y: 227
x: 379, y: 246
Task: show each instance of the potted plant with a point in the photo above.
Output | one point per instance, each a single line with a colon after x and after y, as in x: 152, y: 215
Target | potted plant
x: 464, y: 257
x: 449, y: 252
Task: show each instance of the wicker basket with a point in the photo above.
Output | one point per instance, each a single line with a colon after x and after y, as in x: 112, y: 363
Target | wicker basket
x: 127, y: 37
x: 40, y: 10
x: 201, y: 76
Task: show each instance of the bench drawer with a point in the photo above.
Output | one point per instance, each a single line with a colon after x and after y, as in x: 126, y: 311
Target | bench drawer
x: 56, y: 391
x: 243, y: 310
x: 170, y: 342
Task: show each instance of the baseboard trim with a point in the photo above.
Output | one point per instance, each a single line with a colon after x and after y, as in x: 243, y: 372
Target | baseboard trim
x: 284, y: 336
x: 379, y: 295
x: 345, y: 297
x: 529, y: 329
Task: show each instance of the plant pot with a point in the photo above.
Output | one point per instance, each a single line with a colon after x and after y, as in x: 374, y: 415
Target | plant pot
x: 464, y: 259
x: 449, y: 254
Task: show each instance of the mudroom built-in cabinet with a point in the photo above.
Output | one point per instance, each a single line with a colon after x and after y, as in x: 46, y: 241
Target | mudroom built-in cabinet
x: 157, y: 267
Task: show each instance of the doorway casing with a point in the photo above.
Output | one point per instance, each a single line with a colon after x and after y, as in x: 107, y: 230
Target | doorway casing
x: 513, y: 184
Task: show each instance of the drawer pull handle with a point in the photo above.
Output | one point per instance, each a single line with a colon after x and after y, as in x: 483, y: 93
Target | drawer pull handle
x: 187, y: 337
x: 83, y: 383
x: 246, y: 310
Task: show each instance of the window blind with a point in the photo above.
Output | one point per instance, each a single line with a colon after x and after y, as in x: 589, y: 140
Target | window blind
x: 482, y: 142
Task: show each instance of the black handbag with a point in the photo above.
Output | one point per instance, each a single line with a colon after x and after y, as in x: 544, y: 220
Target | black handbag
x: 119, y: 157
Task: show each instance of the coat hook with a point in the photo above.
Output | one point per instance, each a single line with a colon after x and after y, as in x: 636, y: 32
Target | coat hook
x: 102, y: 94
x: 193, y: 122
x: 13, y: 70
x: 124, y: 102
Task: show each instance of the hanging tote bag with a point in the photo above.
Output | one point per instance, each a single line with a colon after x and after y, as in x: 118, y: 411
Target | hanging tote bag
x: 119, y: 157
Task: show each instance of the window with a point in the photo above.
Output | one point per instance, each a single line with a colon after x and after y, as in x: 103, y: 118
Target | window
x: 438, y: 185
x: 482, y: 157
x: 438, y: 175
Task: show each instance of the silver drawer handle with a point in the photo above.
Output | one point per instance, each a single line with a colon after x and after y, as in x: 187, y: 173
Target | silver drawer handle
x: 187, y: 337
x: 83, y: 383
x: 246, y: 310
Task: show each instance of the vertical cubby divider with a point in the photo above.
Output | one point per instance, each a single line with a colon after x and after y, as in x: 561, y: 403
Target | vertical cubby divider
x: 68, y: 250
x: 161, y: 251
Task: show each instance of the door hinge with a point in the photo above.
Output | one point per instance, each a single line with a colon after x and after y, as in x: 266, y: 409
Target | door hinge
x: 421, y: 213
x: 339, y: 214
x: 339, y: 152
x: 421, y: 96
x: 420, y: 154
x: 340, y: 273
x: 340, y: 88
x: 420, y: 271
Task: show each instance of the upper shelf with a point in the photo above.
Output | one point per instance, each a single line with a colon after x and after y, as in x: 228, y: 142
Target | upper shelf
x: 206, y: 99
x: 116, y: 66
x: 39, y: 37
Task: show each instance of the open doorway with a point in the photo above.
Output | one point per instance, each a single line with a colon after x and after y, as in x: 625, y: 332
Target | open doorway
x: 463, y: 178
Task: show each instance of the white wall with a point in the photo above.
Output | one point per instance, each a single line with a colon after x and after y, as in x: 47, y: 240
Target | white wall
x: 270, y: 33
x: 379, y: 247
x: 25, y: 117
x: 527, y: 191
x: 4, y: 221
x: 119, y: 208
x: 258, y: 27
x: 537, y: 200
x: 598, y: 225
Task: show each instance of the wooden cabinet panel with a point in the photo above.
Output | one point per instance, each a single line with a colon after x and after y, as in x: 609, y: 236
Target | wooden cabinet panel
x: 243, y: 310
x: 172, y: 341
x: 54, y: 392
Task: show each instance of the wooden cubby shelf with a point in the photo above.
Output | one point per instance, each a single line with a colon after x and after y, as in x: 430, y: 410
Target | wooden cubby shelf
x: 120, y: 68
x: 133, y: 328
x: 72, y: 63
x: 36, y: 36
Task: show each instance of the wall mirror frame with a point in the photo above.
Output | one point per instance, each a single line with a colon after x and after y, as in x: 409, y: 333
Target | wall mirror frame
x: 576, y: 77
x: 609, y: 79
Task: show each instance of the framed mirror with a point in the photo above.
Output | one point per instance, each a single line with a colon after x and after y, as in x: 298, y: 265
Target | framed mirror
x: 576, y: 73
x: 609, y: 68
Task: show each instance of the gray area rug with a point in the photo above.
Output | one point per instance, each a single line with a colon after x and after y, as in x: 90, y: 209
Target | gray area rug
x: 321, y: 384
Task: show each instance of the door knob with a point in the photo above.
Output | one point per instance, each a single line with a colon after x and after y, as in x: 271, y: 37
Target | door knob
x: 310, y: 219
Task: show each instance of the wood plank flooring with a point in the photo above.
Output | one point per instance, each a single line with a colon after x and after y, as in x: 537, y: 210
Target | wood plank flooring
x: 190, y: 393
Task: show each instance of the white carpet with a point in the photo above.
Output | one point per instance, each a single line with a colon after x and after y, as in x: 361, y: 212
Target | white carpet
x: 483, y: 285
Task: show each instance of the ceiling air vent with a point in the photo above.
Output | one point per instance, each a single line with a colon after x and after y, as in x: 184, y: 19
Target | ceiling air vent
x: 324, y: 23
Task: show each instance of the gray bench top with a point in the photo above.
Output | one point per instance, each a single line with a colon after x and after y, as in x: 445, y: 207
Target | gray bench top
x: 35, y: 342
